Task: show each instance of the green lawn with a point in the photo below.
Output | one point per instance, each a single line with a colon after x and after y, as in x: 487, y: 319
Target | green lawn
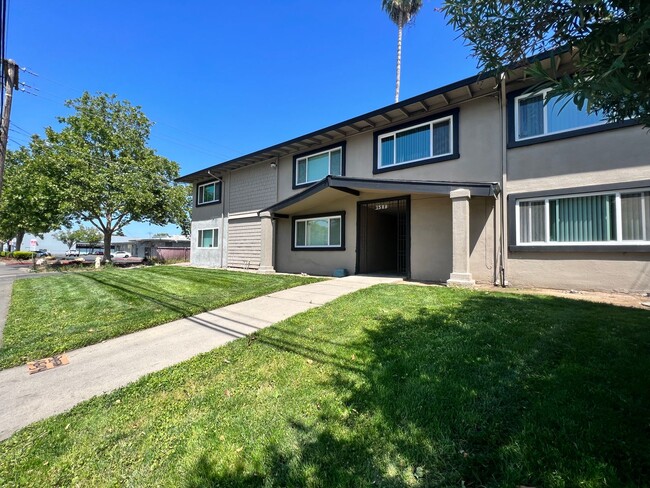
x: 391, y: 386
x: 53, y: 314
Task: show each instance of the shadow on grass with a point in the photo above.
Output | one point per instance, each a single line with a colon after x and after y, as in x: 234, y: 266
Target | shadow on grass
x: 480, y: 390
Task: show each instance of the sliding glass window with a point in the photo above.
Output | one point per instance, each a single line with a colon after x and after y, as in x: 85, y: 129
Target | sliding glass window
x: 539, y: 114
x: 425, y: 141
x: 319, y: 232
x: 602, y: 218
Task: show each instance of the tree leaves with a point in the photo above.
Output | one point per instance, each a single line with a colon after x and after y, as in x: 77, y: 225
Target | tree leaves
x: 611, y: 41
x: 112, y: 177
x: 31, y: 202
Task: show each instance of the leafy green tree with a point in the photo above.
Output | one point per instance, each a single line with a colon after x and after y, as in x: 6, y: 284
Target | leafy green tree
x: 112, y: 177
x: 67, y: 237
x: 401, y: 12
x: 609, y: 39
x: 91, y: 236
x: 70, y: 237
x: 31, y: 201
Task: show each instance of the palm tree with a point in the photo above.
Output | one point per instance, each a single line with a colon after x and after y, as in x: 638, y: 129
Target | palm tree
x: 401, y: 12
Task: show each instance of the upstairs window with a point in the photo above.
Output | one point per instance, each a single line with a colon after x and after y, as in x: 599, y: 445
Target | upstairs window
x: 311, y: 168
x: 601, y: 218
x: 208, y: 193
x: 535, y: 118
x: 430, y: 140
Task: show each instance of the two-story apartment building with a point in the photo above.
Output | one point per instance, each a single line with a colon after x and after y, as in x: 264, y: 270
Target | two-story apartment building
x: 479, y: 180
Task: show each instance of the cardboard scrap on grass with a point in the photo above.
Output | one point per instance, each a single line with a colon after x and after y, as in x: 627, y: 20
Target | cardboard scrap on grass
x: 47, y: 363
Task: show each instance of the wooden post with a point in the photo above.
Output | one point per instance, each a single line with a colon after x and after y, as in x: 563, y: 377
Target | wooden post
x: 11, y: 82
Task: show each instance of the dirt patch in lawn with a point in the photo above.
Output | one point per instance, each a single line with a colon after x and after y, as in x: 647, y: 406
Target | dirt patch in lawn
x: 612, y: 298
x: 634, y: 300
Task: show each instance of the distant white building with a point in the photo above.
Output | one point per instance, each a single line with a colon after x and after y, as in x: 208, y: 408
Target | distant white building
x: 165, y: 247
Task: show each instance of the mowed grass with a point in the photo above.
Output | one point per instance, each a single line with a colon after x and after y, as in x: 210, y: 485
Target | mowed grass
x: 54, y: 314
x: 391, y: 386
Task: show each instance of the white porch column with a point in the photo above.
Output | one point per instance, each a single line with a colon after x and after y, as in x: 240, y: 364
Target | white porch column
x: 268, y: 241
x: 460, y: 273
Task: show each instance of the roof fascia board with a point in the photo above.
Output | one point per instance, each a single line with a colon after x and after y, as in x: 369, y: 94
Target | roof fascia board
x: 353, y: 185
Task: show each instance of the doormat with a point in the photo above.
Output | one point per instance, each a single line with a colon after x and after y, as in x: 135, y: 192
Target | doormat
x: 47, y: 363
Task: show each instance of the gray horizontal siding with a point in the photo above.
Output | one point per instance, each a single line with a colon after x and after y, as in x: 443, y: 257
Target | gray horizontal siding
x: 244, y: 243
x: 252, y: 188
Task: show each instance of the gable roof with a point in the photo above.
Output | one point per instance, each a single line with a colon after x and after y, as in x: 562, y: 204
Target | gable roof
x: 356, y: 185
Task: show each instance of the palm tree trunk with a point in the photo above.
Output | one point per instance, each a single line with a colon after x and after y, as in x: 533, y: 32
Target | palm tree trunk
x: 400, y: 27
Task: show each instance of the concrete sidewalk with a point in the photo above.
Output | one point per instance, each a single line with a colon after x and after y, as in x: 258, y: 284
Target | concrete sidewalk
x: 104, y: 367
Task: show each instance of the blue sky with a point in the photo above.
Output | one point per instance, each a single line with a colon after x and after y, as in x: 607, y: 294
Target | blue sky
x: 220, y: 80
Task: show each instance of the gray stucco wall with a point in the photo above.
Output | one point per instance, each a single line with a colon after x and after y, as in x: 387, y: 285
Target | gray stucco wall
x: 606, y: 157
x: 431, y: 239
x: 431, y: 244
x: 318, y: 262
x: 213, y: 257
x: 616, y: 156
x: 625, y: 272
x: 479, y: 146
x: 210, y: 217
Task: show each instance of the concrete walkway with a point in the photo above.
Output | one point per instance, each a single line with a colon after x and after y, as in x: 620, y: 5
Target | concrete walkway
x: 104, y: 367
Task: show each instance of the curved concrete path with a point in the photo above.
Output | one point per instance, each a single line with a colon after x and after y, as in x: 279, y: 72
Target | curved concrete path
x: 104, y: 367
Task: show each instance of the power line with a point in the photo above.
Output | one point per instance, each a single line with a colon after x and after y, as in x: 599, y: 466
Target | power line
x: 46, y: 95
x: 187, y: 145
x: 178, y: 129
x: 14, y: 125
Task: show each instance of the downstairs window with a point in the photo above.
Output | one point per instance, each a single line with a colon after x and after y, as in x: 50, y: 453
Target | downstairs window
x: 319, y: 232
x: 599, y: 218
x: 208, y: 238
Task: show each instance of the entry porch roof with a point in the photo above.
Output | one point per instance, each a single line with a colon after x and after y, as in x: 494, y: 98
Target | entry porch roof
x: 355, y: 186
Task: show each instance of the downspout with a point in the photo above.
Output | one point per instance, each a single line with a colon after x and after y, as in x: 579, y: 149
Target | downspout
x: 275, y: 221
x: 504, y: 180
x: 226, y: 200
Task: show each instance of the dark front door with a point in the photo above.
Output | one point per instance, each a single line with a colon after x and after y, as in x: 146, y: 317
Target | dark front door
x: 383, y: 244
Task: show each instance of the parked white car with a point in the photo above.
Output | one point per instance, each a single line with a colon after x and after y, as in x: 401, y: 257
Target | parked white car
x: 120, y: 255
x: 72, y: 253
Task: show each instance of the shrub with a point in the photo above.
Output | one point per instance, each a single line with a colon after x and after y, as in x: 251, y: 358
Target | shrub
x: 23, y: 255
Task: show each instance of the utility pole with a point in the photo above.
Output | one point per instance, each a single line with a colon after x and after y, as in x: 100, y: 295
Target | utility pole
x: 11, y: 82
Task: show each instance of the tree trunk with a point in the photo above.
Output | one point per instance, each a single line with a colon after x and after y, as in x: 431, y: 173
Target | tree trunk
x: 400, y: 28
x: 19, y: 241
x: 107, y: 246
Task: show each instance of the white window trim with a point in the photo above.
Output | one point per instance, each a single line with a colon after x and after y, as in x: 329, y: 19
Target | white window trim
x: 329, y: 164
x: 545, y: 117
x: 431, y: 123
x: 547, y: 212
x: 215, y: 240
x: 319, y: 246
x: 200, y: 193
